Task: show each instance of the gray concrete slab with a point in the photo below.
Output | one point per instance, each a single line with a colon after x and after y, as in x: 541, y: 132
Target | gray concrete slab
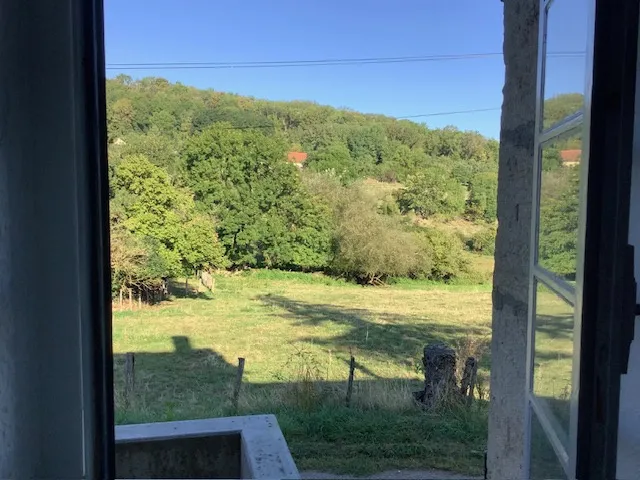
x: 263, y: 450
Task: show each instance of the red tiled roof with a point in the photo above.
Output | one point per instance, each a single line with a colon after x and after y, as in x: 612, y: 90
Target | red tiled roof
x: 296, y: 157
x: 570, y: 156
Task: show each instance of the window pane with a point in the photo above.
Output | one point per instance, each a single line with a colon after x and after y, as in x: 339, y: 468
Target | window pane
x: 553, y: 358
x: 544, y: 461
x: 559, y: 202
x: 565, y: 63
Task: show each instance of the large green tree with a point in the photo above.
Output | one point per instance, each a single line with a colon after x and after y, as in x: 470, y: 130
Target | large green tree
x: 266, y: 217
x: 433, y: 192
x: 483, y: 196
x: 159, y: 224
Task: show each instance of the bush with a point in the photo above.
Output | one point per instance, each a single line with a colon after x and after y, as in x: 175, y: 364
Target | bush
x: 370, y: 248
x: 484, y: 241
x: 388, y: 206
x: 388, y: 176
x: 447, y: 260
x: 372, y: 244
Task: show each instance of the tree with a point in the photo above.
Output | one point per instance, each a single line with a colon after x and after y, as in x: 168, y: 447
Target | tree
x: 334, y: 158
x: 158, y: 223
x: 551, y: 159
x: 445, y: 253
x: 120, y: 116
x: 199, y: 246
x: 401, y: 161
x: 160, y: 150
x: 433, y: 192
x: 266, y: 218
x: 163, y: 122
x: 559, y: 213
x: 561, y: 106
x: 483, y: 197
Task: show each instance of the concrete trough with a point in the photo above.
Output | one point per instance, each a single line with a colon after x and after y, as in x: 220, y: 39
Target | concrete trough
x: 234, y: 447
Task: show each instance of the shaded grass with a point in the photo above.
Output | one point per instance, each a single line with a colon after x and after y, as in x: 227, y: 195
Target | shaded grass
x: 373, y: 442
x: 297, y: 332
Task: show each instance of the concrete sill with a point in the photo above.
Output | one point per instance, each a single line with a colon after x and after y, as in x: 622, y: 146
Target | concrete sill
x: 233, y: 447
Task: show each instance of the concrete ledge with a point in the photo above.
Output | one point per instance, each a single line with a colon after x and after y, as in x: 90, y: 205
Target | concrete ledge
x: 233, y: 447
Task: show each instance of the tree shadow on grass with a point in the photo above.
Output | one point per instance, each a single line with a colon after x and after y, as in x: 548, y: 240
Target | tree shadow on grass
x: 178, y: 289
x: 167, y: 385
x: 189, y: 383
x: 555, y: 326
x: 399, y: 338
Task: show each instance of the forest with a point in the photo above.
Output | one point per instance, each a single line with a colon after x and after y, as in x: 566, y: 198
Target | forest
x: 199, y: 181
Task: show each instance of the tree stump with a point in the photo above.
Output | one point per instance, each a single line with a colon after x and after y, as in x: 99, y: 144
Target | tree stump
x: 439, y: 363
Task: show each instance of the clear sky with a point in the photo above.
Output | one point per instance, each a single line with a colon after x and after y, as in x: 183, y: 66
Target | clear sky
x: 271, y: 30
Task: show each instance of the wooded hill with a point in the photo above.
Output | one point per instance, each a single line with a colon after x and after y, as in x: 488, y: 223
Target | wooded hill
x: 200, y: 180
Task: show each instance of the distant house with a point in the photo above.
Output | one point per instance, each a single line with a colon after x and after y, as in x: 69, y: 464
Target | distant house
x: 570, y: 158
x: 298, y: 158
x: 119, y: 141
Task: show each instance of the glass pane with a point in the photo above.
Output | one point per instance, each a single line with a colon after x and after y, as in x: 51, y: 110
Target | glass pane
x: 544, y: 461
x: 565, y: 63
x: 559, y: 202
x: 553, y: 358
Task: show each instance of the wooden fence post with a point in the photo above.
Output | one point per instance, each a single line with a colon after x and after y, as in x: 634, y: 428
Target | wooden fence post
x: 129, y: 378
x: 236, y: 389
x: 468, y: 383
x: 472, y: 383
x: 352, y: 367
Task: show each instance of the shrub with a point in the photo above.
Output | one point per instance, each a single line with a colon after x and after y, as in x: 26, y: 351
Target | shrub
x: 370, y: 248
x: 388, y: 176
x: 447, y: 260
x: 389, y: 206
x: 483, y: 241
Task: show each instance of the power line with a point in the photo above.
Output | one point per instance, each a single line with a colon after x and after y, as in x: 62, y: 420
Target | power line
x: 312, y: 63
x: 437, y: 114
x: 299, y: 63
x: 422, y: 115
x: 325, y: 60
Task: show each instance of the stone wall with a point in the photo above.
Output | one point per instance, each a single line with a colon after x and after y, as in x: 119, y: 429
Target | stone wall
x: 511, y: 277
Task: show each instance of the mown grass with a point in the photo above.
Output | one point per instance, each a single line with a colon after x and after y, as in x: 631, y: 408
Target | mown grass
x: 297, y: 332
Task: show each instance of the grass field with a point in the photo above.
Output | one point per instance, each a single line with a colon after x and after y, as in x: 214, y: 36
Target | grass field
x: 297, y: 332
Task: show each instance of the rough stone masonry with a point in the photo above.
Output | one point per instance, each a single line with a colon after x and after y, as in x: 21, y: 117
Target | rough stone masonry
x: 506, y: 445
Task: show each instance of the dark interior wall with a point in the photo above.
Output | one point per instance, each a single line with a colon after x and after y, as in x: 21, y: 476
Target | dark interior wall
x: 45, y: 381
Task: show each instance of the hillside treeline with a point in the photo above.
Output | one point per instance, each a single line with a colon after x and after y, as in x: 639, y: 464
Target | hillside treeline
x: 200, y: 180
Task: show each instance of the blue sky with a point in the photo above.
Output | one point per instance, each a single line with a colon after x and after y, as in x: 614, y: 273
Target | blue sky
x: 265, y: 30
